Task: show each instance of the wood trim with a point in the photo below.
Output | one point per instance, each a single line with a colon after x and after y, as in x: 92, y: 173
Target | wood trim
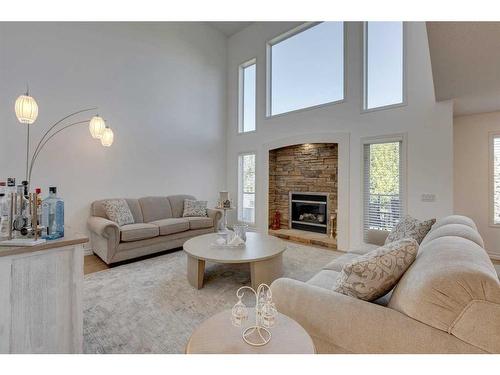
x: 65, y: 241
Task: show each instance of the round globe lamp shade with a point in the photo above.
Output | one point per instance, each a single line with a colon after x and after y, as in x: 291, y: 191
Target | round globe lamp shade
x: 26, y: 109
x: 107, y: 137
x: 96, y: 127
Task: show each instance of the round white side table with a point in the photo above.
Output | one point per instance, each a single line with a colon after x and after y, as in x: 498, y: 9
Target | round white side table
x: 216, y: 335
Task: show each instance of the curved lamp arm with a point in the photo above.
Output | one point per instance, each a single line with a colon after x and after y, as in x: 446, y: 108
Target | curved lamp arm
x: 35, y: 155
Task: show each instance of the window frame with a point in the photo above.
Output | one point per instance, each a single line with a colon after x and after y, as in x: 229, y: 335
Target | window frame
x: 403, y: 163
x: 241, y: 90
x: 491, y: 181
x: 364, y: 81
x: 286, y: 35
x: 240, y: 192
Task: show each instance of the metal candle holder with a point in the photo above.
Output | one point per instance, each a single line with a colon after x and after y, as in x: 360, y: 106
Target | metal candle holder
x: 265, y: 315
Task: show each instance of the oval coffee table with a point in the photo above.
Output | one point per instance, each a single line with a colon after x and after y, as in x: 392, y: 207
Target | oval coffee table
x: 216, y: 335
x: 261, y: 251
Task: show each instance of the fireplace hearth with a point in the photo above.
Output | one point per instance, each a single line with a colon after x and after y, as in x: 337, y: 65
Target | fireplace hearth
x: 308, y: 211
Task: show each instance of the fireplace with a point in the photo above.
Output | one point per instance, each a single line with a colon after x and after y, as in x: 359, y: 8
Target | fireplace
x: 309, y: 211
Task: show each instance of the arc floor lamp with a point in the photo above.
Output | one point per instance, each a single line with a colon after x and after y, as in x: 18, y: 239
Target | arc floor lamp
x: 26, y: 109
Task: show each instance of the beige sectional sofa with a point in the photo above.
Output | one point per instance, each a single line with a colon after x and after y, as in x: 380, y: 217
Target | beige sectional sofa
x: 448, y: 301
x: 158, y: 226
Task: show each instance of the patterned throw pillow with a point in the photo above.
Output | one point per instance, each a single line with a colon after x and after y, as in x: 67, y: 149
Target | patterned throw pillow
x: 194, y: 208
x: 118, y: 211
x: 409, y: 227
x: 374, y: 274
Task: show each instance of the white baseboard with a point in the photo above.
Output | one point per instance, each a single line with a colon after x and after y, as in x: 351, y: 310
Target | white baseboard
x: 87, y: 252
x: 494, y: 256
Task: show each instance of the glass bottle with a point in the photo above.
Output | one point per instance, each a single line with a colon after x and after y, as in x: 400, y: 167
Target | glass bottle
x: 38, y: 192
x: 4, y: 211
x: 53, y: 215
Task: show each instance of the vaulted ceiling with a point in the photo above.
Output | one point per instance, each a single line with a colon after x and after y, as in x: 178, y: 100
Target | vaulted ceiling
x: 465, y: 60
x: 230, y: 28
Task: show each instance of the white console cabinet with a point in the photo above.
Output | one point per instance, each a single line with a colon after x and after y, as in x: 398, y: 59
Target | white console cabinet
x: 41, y: 297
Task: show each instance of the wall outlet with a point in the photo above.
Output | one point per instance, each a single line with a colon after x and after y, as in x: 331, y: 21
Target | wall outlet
x: 428, y: 197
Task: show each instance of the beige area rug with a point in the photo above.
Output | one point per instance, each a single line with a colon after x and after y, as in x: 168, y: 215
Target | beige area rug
x: 149, y: 307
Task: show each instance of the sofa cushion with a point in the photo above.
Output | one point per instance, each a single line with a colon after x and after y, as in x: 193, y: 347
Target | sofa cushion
x: 455, y: 219
x: 373, y: 275
x: 97, y: 209
x: 155, y: 208
x: 324, y: 279
x: 341, y: 261
x: 409, y: 227
x: 200, y: 222
x: 177, y: 203
x: 117, y: 210
x: 193, y: 208
x: 140, y: 231
x: 171, y: 226
x: 450, y: 276
x: 376, y: 237
x: 459, y: 230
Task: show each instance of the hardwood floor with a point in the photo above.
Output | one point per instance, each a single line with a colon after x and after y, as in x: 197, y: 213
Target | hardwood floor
x: 92, y: 263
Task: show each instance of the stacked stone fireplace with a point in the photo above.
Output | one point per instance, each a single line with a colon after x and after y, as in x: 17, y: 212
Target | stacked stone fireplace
x: 303, y: 186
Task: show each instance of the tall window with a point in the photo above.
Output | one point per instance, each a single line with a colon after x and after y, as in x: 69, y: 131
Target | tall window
x: 306, y: 67
x: 495, y: 179
x: 247, y: 93
x: 246, y: 188
x: 384, y: 64
x: 382, y: 185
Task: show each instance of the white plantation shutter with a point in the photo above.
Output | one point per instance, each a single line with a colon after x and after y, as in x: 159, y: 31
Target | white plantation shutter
x: 382, y: 185
x: 496, y: 179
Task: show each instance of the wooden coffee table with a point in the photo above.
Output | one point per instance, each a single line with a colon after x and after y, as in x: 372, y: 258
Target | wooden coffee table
x: 261, y: 251
x: 216, y: 335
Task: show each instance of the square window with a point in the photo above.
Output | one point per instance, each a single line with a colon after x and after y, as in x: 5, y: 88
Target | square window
x: 246, y: 188
x: 306, y: 68
x: 382, y: 185
x: 384, y: 64
x: 247, y: 96
x: 495, y: 179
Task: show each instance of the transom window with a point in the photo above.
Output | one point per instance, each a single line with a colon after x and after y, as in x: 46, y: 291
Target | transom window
x: 306, y: 67
x: 247, y: 96
x: 495, y: 179
x: 383, y: 64
x: 382, y: 185
x: 246, y: 188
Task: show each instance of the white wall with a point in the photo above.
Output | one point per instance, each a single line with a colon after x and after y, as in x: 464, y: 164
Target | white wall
x: 427, y: 125
x: 471, y: 173
x: 160, y: 86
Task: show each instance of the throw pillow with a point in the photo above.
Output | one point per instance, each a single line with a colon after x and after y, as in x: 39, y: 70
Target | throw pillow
x: 409, y: 227
x: 194, y: 208
x: 374, y: 274
x: 118, y: 211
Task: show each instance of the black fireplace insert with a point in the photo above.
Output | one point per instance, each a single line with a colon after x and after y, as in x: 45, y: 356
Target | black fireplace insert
x: 308, y: 211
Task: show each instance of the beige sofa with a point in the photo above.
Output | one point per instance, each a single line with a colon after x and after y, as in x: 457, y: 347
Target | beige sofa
x: 158, y: 226
x: 448, y: 301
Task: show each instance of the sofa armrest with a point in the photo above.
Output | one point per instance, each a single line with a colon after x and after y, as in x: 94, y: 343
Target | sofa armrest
x: 216, y: 215
x: 105, y: 228
x: 339, y: 323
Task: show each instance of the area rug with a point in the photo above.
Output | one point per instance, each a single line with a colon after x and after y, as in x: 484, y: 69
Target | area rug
x: 149, y: 307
